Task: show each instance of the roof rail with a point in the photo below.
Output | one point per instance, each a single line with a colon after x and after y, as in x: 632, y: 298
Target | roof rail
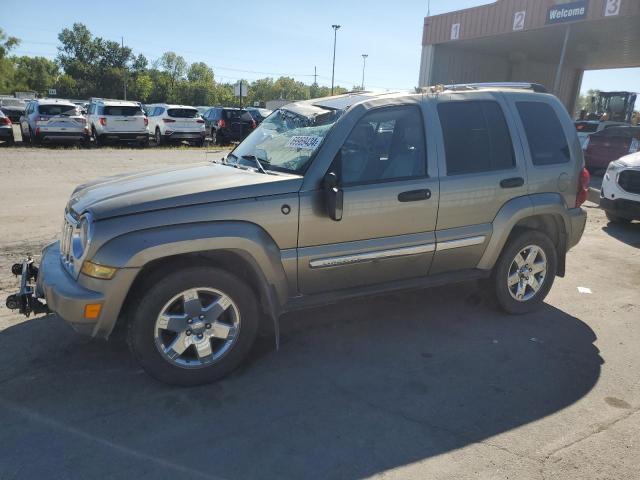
x: 536, y: 87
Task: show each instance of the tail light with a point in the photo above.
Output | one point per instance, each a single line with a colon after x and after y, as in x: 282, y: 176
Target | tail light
x: 168, y: 120
x: 5, y: 121
x: 635, y: 145
x: 200, y: 121
x: 42, y: 119
x: 253, y: 124
x: 146, y: 122
x: 583, y: 187
x: 222, y: 123
x: 103, y: 121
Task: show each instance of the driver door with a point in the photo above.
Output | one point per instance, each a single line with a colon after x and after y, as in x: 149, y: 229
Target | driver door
x: 390, y: 205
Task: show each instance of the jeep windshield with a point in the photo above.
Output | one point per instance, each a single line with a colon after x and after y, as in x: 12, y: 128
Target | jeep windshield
x: 286, y: 140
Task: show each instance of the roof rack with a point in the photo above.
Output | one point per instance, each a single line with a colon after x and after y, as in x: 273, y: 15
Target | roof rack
x: 536, y: 87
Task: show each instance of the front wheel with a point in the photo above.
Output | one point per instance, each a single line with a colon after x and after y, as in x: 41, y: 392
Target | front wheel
x: 194, y: 326
x: 525, y: 272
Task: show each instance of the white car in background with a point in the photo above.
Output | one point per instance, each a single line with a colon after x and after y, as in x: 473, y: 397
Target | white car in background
x: 620, y: 191
x: 51, y: 120
x: 587, y: 127
x: 175, y: 123
x: 117, y: 120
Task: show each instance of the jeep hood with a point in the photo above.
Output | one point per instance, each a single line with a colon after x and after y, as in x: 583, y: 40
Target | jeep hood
x: 175, y: 187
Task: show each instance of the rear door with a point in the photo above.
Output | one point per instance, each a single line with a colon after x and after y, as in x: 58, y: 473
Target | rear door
x: 124, y: 119
x: 239, y: 123
x: 480, y: 170
x: 185, y: 119
x: 390, y: 206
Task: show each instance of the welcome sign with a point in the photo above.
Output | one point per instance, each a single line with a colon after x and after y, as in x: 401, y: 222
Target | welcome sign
x: 568, y: 12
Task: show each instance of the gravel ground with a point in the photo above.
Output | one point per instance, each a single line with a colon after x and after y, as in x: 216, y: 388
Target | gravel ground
x: 433, y: 384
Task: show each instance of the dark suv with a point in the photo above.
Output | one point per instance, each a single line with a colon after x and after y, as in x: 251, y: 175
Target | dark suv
x: 225, y: 125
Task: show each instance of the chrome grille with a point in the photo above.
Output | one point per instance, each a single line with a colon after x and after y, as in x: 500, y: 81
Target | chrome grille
x: 629, y: 180
x: 66, y: 242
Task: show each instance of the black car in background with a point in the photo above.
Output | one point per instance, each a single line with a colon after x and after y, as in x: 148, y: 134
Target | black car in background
x: 6, y: 129
x: 13, y: 108
x: 224, y: 125
x: 259, y: 114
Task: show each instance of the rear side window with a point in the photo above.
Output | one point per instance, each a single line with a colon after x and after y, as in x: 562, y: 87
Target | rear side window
x: 122, y: 111
x: 182, y: 112
x: 547, y: 142
x: 626, y: 132
x: 476, y: 137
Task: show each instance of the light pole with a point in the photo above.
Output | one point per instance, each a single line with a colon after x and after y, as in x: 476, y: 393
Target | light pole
x: 333, y: 70
x: 364, y: 62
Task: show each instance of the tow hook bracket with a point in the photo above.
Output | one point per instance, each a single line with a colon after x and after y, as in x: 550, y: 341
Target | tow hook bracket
x: 25, y: 301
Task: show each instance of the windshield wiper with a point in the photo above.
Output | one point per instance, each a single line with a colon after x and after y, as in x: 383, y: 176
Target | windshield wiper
x: 255, y: 159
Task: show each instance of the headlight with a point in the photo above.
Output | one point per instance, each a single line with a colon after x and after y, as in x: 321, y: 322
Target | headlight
x: 95, y: 270
x: 85, y: 233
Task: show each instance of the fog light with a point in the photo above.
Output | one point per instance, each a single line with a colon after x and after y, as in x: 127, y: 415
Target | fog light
x: 92, y: 310
x: 96, y: 270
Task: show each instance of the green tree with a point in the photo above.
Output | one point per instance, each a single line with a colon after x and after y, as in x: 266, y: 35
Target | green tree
x: 35, y: 73
x: 6, y: 65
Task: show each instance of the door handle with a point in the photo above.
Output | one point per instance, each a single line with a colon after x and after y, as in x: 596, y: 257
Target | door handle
x: 512, y: 182
x: 414, y: 195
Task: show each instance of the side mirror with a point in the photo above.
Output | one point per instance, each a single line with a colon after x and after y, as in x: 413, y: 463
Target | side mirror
x: 333, y: 196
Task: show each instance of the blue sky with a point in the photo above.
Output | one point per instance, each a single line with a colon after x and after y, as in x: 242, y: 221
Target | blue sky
x: 260, y: 38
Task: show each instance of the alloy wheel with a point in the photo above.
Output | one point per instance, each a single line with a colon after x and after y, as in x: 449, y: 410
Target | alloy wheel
x: 527, y: 273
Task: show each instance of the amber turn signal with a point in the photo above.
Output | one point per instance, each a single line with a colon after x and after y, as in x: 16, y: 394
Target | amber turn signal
x: 92, y: 310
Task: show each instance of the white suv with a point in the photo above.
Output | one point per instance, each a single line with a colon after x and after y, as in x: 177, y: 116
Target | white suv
x: 50, y: 120
x: 117, y: 120
x: 620, y: 192
x: 175, y: 122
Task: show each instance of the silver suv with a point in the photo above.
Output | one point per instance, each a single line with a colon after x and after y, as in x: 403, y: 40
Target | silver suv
x: 53, y: 120
x: 327, y: 199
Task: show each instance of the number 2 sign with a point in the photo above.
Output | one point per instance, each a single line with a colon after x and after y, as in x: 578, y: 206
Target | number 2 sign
x: 518, y: 20
x: 612, y: 7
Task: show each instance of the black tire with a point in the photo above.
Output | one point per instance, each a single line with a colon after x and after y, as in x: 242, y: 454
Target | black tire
x: 199, y: 143
x: 158, y: 137
x: 26, y: 140
x: 95, y: 138
x: 33, y: 139
x: 214, y: 137
x: 519, y: 241
x: 143, y: 317
x: 615, y: 218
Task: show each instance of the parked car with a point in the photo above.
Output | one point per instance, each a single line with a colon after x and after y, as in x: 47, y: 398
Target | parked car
x: 327, y: 199
x: 6, y: 129
x: 258, y: 114
x: 609, y: 145
x: 620, y: 191
x: 169, y: 123
x: 201, y: 109
x: 117, y: 120
x: 587, y: 127
x: 225, y: 125
x: 13, y: 108
x: 53, y: 120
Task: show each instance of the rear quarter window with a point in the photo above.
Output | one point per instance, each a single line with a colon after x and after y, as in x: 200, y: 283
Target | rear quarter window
x: 547, y: 142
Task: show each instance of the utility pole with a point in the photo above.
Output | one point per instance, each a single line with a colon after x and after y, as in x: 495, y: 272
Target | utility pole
x: 364, y: 62
x: 125, y: 73
x: 315, y: 75
x: 333, y: 70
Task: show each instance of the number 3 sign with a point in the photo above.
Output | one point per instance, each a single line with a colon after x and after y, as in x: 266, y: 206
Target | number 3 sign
x: 612, y: 7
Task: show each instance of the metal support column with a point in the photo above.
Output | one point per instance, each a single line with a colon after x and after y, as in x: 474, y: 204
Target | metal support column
x: 556, y: 83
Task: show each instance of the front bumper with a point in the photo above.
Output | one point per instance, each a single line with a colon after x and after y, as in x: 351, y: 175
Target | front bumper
x: 621, y: 207
x: 68, y: 297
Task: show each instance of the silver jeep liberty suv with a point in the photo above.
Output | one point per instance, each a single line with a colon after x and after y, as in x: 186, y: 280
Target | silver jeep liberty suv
x: 327, y: 199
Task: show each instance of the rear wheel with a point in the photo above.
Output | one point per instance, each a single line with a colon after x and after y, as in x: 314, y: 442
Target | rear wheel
x: 158, y: 137
x: 615, y: 218
x: 525, y: 272
x: 194, y: 326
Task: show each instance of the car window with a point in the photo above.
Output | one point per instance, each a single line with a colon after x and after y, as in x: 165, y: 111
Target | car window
x: 182, y: 112
x: 386, y: 144
x: 58, y: 110
x: 587, y: 127
x: 122, y: 111
x: 626, y: 132
x: 547, y: 142
x: 476, y: 137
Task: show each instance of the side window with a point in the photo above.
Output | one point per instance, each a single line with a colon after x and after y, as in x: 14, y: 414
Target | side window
x: 386, y: 144
x: 547, y: 142
x: 476, y: 137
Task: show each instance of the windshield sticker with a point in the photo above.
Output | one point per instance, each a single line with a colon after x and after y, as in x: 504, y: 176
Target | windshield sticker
x: 306, y: 142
